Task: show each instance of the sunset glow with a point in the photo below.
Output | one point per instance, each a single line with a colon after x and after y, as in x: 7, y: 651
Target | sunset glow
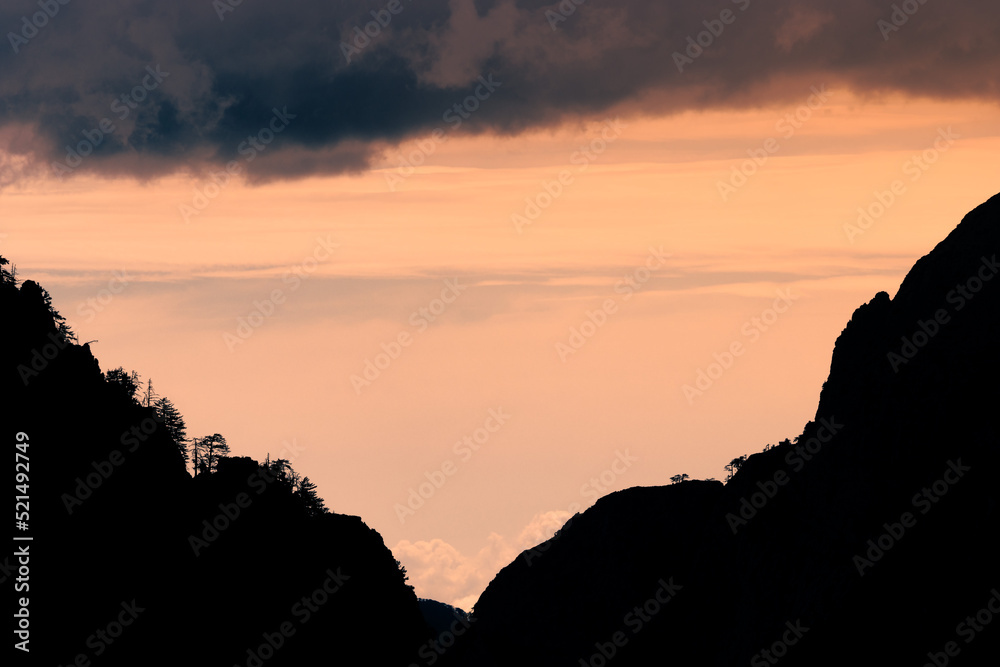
x: 483, y: 329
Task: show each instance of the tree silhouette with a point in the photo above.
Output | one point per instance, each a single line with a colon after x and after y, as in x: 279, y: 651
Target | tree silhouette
x: 127, y: 382
x: 173, y: 422
x: 64, y: 330
x: 677, y: 479
x: 283, y: 472
x: 197, y: 456
x: 313, y: 503
x: 403, y: 574
x: 207, y: 452
x: 734, y: 465
x: 7, y: 277
x: 214, y: 447
x: 150, y: 396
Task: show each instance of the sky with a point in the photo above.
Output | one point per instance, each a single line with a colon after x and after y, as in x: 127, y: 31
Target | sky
x: 490, y: 261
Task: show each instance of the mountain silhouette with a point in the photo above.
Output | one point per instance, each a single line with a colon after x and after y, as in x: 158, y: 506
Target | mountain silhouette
x: 869, y: 539
x: 443, y: 617
x: 134, y: 561
x: 872, y: 539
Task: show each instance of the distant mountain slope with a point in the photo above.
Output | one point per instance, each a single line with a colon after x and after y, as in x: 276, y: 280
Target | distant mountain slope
x: 873, y: 539
x: 442, y: 617
x: 135, y: 562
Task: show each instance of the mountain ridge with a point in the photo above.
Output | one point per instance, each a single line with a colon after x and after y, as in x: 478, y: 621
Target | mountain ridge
x: 228, y: 567
x: 867, y: 539
x: 786, y: 543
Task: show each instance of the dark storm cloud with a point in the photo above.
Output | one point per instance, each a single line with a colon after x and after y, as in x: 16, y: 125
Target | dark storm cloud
x: 160, y: 87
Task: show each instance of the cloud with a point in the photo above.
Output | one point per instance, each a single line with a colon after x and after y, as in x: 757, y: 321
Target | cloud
x: 440, y: 571
x: 800, y: 26
x: 354, y: 95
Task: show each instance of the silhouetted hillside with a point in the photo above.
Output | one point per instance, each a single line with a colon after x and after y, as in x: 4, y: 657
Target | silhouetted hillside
x: 442, y: 617
x: 136, y: 562
x: 869, y: 540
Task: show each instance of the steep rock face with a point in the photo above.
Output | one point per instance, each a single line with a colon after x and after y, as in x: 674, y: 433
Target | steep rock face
x: 937, y: 329
x: 203, y: 574
x: 867, y: 541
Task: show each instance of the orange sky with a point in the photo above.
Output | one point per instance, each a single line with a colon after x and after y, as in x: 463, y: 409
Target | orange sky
x: 496, y: 347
